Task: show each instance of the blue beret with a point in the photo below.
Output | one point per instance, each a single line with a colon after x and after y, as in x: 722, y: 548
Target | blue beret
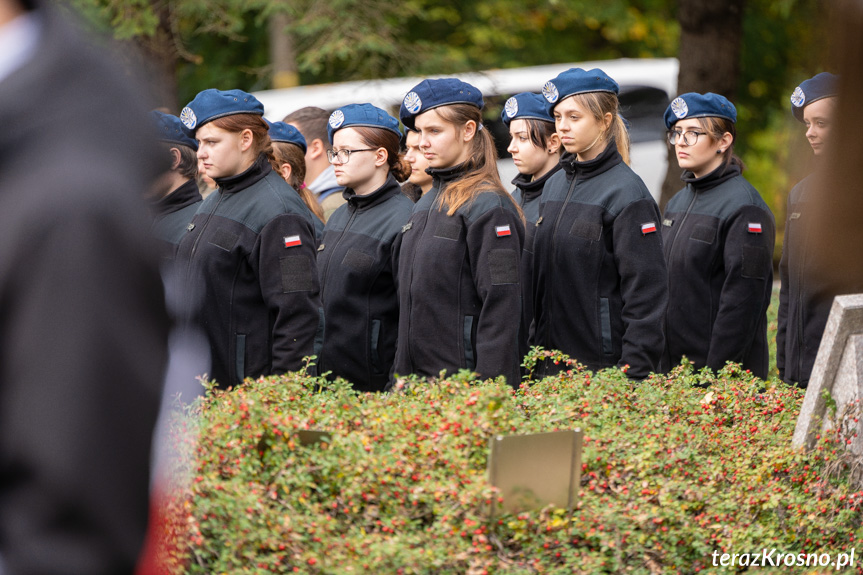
x: 212, y: 104
x: 283, y: 132
x: 695, y: 105
x: 361, y: 115
x: 577, y: 81
x: 170, y: 129
x: 526, y: 105
x: 430, y: 94
x: 823, y: 85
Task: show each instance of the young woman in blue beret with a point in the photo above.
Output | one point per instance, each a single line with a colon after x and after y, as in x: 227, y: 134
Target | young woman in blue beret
x: 805, y: 297
x: 535, y: 149
x: 355, y: 260
x: 718, y: 235
x: 600, y: 282
x: 458, y: 274
x: 289, y: 161
x: 249, y: 255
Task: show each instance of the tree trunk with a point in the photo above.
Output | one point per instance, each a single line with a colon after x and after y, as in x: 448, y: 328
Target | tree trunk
x: 283, y: 55
x: 711, y: 39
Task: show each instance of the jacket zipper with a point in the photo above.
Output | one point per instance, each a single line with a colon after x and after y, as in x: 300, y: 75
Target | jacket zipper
x: 671, y: 258
x: 338, y: 241
x: 553, y: 245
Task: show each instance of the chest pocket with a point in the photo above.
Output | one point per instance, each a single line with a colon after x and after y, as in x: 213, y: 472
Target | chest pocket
x: 704, y: 234
x: 358, y: 260
x: 224, y: 239
x: 448, y: 231
x: 586, y: 229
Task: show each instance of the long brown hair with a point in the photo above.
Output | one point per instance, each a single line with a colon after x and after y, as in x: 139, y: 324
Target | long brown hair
x: 715, y: 128
x: 291, y: 154
x: 601, y: 103
x: 481, y: 174
x: 388, y: 140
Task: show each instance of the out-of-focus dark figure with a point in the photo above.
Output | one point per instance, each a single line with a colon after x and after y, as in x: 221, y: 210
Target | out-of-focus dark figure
x: 824, y: 211
x: 83, y: 326
x: 839, y: 238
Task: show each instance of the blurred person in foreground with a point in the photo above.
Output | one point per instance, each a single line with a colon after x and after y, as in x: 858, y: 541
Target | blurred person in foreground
x: 83, y: 327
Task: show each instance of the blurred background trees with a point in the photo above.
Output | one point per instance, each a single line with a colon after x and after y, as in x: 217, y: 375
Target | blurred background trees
x: 753, y: 51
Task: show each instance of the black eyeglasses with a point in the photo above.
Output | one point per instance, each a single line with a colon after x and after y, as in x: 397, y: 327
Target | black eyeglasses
x: 689, y: 137
x: 344, y: 155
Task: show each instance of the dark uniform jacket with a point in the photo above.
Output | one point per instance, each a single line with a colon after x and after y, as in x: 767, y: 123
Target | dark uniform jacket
x: 83, y: 326
x: 600, y: 283
x: 804, y: 298
x: 358, y: 286
x: 718, y: 237
x: 459, y: 292
x: 249, y: 257
x: 527, y: 194
x: 173, y: 214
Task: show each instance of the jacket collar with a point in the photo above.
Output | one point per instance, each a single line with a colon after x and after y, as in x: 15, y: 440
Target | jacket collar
x: 185, y: 195
x: 443, y: 176
x: 389, y: 189
x: 606, y: 160
x: 253, y: 175
x: 709, y: 181
x: 531, y: 189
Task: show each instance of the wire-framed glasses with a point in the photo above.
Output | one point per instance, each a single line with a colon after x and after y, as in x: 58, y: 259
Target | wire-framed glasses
x: 689, y: 137
x: 344, y: 155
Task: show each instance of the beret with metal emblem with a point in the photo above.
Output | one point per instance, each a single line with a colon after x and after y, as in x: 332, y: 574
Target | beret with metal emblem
x: 171, y: 130
x: 576, y: 81
x: 527, y: 106
x: 818, y: 87
x: 430, y: 94
x: 695, y: 105
x: 211, y: 104
x: 361, y: 116
x: 283, y: 132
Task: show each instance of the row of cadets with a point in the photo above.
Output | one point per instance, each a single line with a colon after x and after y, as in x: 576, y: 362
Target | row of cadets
x: 356, y: 265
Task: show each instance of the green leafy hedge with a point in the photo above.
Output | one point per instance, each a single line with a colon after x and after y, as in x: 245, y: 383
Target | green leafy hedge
x: 675, y: 468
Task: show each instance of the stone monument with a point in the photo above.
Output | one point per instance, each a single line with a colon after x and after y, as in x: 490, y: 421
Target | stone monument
x: 838, y: 369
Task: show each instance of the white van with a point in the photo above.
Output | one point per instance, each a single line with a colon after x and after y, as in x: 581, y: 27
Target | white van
x: 646, y: 86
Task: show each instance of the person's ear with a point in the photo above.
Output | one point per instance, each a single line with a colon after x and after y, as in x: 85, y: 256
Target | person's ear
x: 246, y: 139
x: 381, y: 156
x: 469, y: 131
x: 315, y: 149
x: 176, y: 158
x: 553, y: 144
x: 606, y: 121
x: 725, y: 141
x: 285, y: 171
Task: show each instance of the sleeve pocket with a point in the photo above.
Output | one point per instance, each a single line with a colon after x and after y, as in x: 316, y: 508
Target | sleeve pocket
x: 296, y: 273
x: 755, y: 262
x: 503, y: 266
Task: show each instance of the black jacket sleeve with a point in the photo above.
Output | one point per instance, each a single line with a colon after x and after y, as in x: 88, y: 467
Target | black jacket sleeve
x: 290, y: 286
x: 495, y: 264
x: 748, y: 259
x: 644, y: 287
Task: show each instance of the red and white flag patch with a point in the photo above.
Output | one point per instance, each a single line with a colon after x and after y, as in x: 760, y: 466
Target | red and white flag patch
x: 502, y: 231
x: 291, y: 241
x: 754, y: 228
x: 648, y: 228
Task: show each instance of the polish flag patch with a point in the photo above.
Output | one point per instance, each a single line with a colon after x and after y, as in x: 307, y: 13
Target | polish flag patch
x: 648, y: 228
x: 502, y: 231
x: 754, y: 228
x: 291, y: 241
